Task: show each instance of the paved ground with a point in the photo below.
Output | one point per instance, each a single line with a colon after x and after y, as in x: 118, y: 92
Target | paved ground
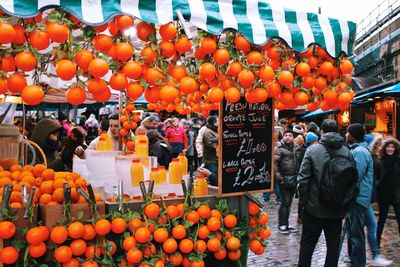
x: 283, y: 250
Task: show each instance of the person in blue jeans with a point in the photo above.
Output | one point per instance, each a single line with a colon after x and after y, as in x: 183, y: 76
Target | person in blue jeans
x: 359, y: 210
x: 267, y: 196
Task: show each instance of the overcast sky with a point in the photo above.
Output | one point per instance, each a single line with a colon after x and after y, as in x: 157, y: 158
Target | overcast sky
x: 354, y: 10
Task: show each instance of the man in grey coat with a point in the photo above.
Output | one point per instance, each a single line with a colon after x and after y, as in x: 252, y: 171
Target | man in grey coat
x: 316, y: 216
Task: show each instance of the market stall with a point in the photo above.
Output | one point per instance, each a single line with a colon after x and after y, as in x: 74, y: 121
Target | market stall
x: 242, y: 58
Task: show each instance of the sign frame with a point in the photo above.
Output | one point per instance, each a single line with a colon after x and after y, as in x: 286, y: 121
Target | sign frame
x: 220, y: 153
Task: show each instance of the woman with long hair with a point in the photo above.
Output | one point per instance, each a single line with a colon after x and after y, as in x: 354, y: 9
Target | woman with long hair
x: 177, y: 138
x: 388, y: 185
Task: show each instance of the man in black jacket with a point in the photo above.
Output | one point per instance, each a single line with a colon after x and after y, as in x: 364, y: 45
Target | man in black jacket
x: 286, y: 166
x: 317, y: 217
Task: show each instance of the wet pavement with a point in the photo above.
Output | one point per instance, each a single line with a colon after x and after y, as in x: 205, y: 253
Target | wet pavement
x: 283, y: 250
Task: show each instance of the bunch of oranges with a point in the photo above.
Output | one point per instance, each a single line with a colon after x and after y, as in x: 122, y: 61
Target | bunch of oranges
x: 129, y: 120
x: 171, y: 71
x: 259, y: 232
x: 48, y: 182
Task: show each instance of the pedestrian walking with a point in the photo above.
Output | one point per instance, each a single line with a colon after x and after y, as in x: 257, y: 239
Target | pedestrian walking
x: 359, y: 210
x: 177, y: 138
x: 388, y: 188
x: 286, y: 166
x: 315, y: 171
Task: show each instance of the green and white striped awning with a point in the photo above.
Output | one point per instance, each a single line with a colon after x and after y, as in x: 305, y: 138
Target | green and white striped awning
x: 257, y: 20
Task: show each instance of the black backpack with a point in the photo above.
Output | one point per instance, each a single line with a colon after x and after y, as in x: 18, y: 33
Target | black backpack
x: 339, y: 184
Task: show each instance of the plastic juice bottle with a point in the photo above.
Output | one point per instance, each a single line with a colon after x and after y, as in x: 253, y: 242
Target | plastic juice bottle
x: 200, y: 187
x: 104, y: 142
x: 155, y: 175
x: 137, y: 172
x: 162, y: 174
x: 141, y: 137
x: 175, y: 172
x: 142, y: 149
x: 184, y: 162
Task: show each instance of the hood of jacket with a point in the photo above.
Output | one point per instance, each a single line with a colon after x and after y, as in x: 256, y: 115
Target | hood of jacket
x: 42, y: 131
x: 333, y: 140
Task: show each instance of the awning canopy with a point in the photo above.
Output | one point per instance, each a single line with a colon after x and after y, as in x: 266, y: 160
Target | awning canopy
x: 376, y: 91
x: 395, y: 90
x: 257, y: 20
x: 319, y: 112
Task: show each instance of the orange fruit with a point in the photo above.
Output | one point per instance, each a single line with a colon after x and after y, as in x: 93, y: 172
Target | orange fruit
x: 188, y: 85
x: 178, y: 72
x: 213, y: 223
x: 265, y: 233
x: 170, y: 245
x: 160, y: 235
x: 241, y: 43
x: 208, y: 45
x: 7, y: 229
x: 213, y: 244
x: 221, y: 254
x: 71, y: 263
x: 221, y: 56
x: 234, y: 255
x: 144, y: 30
x: 232, y: 94
x: 78, y: 247
x: 8, y: 255
x: 66, y: 69
x: 266, y: 73
x: 102, y: 42
x: 45, y: 198
x: 123, y: 51
x: 20, y: 37
x: 58, y: 32
x: 76, y: 230
x: 48, y: 174
x: 83, y: 58
x: 253, y: 208
x: 201, y: 246
x: 58, y: 195
x: 274, y: 52
x: 326, y: 68
x: 102, y: 227
x: 98, y: 67
x: 37, y: 251
x: 203, y: 232
x: 129, y: 243
x: 263, y: 219
x: 62, y: 254
x: 301, y: 98
x: 39, y: 39
x: 183, y: 44
x: 25, y: 61
x: 255, y: 57
x: 246, y: 78
x: 169, y: 93
x: 302, y: 69
x: 7, y: 33
x: 75, y: 95
x: 118, y: 81
x: 149, y: 55
x: 193, y: 216
x: 132, y: 70
x: 167, y: 49
x: 46, y: 187
x: 175, y: 259
x: 186, y: 246
x: 36, y: 235
x: 124, y: 22
x: 179, y: 231
x: 16, y: 83
x: 172, y: 212
x: 234, y: 69
x: 255, y: 245
x: 233, y: 243
x: 89, y: 232
x: 168, y: 31
x: 97, y: 86
x: 134, y: 256
x: 118, y: 225
x: 346, y: 66
x: 285, y: 78
x: 58, y: 234
x: 142, y: 235
x: 207, y: 71
x: 230, y: 221
x: 8, y: 63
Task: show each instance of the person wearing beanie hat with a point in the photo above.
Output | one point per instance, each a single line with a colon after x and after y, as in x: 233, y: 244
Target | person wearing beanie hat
x: 313, y: 127
x: 357, y: 131
x: 359, y: 210
x: 286, y: 167
x: 311, y: 138
x: 297, y: 129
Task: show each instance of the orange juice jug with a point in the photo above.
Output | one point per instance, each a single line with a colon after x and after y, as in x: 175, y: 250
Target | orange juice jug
x: 184, y: 163
x: 155, y: 175
x: 137, y: 172
x: 200, y: 186
x: 142, y: 149
x: 175, y: 172
x: 141, y: 137
x: 104, y: 142
x: 162, y: 174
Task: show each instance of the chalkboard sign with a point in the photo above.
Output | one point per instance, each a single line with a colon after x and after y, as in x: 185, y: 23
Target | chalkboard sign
x: 245, y: 147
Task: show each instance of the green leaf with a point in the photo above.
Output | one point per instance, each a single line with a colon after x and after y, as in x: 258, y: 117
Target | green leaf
x: 19, y: 244
x: 79, y: 215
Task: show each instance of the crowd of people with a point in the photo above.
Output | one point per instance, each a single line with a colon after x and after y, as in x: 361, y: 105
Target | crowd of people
x: 311, y: 163
x: 61, y: 140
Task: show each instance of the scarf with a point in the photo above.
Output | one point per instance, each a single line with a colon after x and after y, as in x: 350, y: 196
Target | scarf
x: 212, y: 127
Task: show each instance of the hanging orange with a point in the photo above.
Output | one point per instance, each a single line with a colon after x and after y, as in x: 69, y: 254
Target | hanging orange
x: 167, y: 49
x: 75, y: 95
x: 320, y: 83
x: 221, y: 56
x: 215, y: 95
x: 302, y: 69
x: 96, y: 86
x: 208, y: 45
x: 134, y: 90
x: 169, y: 93
x: 123, y: 51
x: 20, y: 37
x: 207, y: 71
x: 188, y: 85
x: 124, y: 22
x: 301, y: 98
x: 149, y: 55
x: 58, y: 32
x: 178, y: 72
x: 3, y: 86
x: 241, y: 43
x: 104, y: 96
x: 153, y: 76
x: 132, y: 70
x: 16, y: 82
x: 286, y: 98
x: 266, y: 73
x: 285, y: 78
x: 32, y: 95
x: 98, y: 67
x: 183, y: 44
x: 346, y: 66
x: 326, y: 68
x: 8, y: 63
x: 7, y: 33
x: 118, y: 81
x: 144, y: 30
x: 66, y: 69
x: 274, y: 53
x: 168, y: 31
x: 83, y: 58
x: 39, y: 39
x: 234, y: 69
x: 232, y: 94
x: 152, y: 95
x: 102, y: 42
x: 246, y: 78
x: 255, y: 57
x: 260, y: 94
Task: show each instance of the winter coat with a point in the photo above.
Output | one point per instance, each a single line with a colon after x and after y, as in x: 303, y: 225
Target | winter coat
x: 365, y: 169
x: 40, y: 136
x: 210, y: 140
x: 286, y: 161
x: 388, y: 184
x: 162, y: 151
x: 199, y: 141
x: 311, y: 174
x: 190, y: 148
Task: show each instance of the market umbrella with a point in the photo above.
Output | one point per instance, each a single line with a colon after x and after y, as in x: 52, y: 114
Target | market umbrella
x: 257, y: 20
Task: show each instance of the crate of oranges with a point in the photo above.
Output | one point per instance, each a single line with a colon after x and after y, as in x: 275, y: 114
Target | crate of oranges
x: 49, y: 195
